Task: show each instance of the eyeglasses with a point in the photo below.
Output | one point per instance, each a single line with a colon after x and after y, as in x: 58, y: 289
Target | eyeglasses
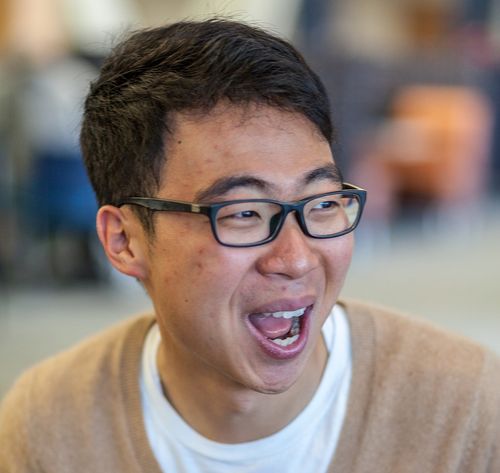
x: 253, y: 222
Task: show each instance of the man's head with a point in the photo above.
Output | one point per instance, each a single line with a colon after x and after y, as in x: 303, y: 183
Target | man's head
x: 155, y: 74
x: 209, y: 113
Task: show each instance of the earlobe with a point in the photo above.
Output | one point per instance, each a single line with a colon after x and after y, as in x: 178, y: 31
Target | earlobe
x: 121, y: 237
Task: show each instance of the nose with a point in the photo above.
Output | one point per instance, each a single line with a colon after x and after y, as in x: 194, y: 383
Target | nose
x: 291, y: 255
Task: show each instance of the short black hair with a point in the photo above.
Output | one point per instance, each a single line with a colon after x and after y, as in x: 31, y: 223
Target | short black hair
x: 186, y: 66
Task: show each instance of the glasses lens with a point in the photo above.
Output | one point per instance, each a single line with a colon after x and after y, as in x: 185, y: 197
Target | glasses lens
x: 246, y: 223
x: 331, y: 214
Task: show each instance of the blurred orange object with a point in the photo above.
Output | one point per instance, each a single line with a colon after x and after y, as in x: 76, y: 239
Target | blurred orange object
x: 434, y: 145
x: 454, y: 126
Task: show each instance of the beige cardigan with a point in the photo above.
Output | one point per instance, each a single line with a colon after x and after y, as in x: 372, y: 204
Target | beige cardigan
x: 421, y: 401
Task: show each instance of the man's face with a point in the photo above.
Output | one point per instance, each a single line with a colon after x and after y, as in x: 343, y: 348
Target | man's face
x: 213, y: 302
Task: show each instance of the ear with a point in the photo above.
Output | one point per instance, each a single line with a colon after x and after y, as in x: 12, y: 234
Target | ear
x: 123, y: 240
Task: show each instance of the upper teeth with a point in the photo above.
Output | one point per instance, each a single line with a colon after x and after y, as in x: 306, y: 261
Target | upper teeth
x: 287, y: 314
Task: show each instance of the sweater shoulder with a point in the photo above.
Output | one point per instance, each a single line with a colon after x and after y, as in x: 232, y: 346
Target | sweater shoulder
x: 82, y: 386
x: 100, y: 354
x: 416, y: 346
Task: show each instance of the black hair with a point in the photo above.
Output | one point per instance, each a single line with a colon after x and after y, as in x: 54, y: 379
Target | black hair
x: 186, y: 66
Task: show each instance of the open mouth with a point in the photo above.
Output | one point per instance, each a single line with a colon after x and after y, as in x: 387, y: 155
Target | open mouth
x: 281, y: 327
x: 281, y: 333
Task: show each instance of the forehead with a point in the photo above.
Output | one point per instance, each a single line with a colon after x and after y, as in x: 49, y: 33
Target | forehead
x: 270, y: 145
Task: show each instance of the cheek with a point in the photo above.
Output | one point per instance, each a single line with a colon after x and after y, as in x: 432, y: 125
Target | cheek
x: 339, y: 257
x: 196, y: 290
x: 196, y: 270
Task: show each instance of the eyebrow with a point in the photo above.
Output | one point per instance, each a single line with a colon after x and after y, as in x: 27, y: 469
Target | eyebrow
x: 330, y: 172
x: 225, y: 184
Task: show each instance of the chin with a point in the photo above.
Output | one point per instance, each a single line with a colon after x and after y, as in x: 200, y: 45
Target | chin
x: 278, y: 389
x: 275, y: 385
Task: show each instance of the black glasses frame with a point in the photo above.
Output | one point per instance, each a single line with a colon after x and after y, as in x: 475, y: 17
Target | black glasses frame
x: 210, y: 210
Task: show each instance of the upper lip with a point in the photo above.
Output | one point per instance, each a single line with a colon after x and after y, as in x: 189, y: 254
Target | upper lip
x: 284, y: 305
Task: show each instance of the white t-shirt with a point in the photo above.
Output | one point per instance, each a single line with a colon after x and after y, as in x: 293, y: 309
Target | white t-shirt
x: 305, y: 445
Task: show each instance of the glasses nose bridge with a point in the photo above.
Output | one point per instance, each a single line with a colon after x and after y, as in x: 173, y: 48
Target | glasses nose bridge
x: 298, y: 209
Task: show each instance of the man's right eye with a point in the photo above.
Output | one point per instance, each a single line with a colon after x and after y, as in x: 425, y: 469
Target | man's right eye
x: 238, y: 217
x: 244, y: 214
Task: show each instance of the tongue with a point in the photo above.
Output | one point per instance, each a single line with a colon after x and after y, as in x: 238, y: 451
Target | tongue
x: 271, y: 327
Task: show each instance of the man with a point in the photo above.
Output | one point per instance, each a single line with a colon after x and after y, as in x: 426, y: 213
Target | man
x: 208, y: 146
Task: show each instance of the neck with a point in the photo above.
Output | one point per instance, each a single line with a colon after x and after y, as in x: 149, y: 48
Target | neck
x: 227, y: 412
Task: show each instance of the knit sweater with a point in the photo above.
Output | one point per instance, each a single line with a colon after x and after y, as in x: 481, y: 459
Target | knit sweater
x: 420, y: 401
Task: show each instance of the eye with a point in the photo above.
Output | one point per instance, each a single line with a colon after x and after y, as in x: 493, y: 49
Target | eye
x: 323, y: 208
x: 325, y: 205
x: 239, y: 215
x: 244, y: 214
x: 231, y: 214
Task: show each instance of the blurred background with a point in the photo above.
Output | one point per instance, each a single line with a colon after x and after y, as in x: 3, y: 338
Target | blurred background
x: 415, y: 91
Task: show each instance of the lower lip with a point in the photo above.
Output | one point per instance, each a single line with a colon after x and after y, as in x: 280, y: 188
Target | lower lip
x: 291, y: 351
